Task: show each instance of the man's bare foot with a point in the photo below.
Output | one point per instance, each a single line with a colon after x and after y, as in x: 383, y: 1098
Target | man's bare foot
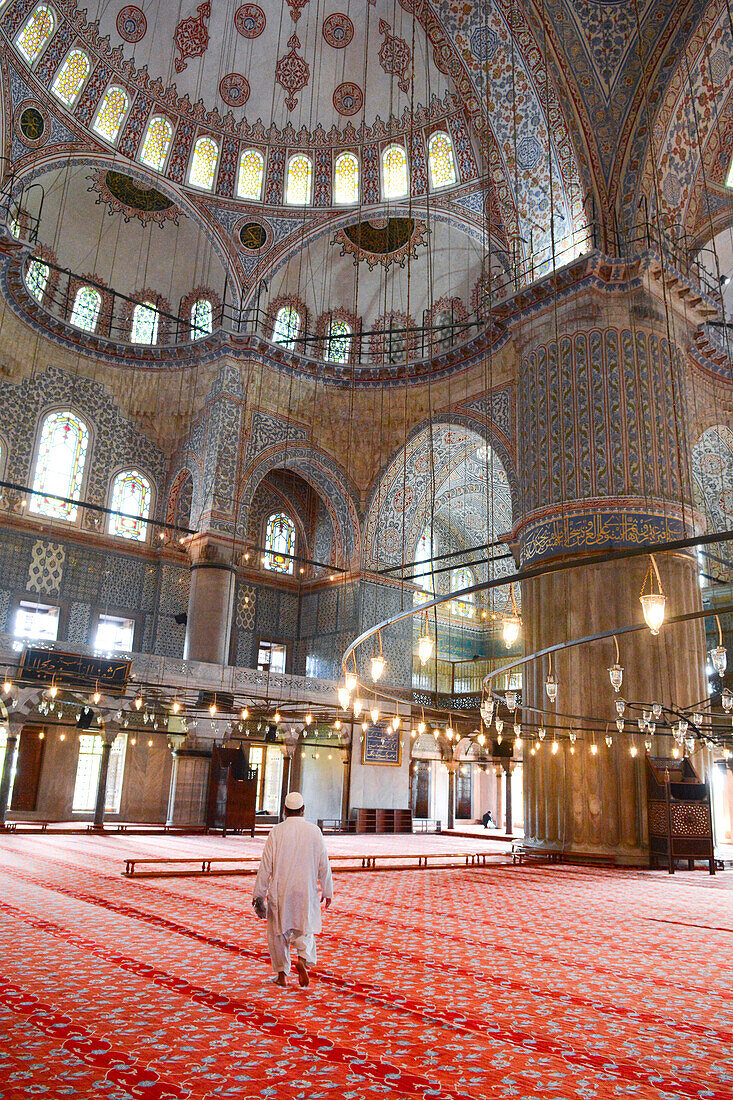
x: 280, y: 979
x: 302, y: 972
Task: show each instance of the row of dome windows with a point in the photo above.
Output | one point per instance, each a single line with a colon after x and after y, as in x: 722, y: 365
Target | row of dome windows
x: 115, y: 104
x: 144, y: 323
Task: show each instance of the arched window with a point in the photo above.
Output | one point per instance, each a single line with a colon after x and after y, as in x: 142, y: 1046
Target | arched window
x: 203, y: 163
x: 87, y: 305
x: 70, y: 77
x: 422, y: 572
x: 34, y: 36
x: 346, y: 179
x: 251, y: 173
x: 338, y: 342
x: 202, y: 319
x: 144, y: 323
x: 279, y: 543
x: 394, y: 172
x: 462, y: 578
x: 299, y: 180
x: 59, y: 472
x: 130, y: 503
x: 36, y: 278
x: 111, y: 113
x: 286, y: 327
x: 440, y: 159
x: 157, y: 143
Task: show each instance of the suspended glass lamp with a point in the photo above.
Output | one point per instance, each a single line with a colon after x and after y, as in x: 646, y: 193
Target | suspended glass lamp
x: 719, y: 655
x: 511, y: 620
x: 551, y: 684
x: 425, y: 642
x: 616, y: 672
x: 653, y: 603
x: 510, y: 698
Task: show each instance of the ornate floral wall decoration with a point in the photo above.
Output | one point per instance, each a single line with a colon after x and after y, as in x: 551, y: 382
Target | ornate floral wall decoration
x: 131, y: 198
x: 384, y: 241
x: 250, y: 20
x: 292, y: 72
x: 191, y: 38
x: 394, y: 56
x: 296, y: 7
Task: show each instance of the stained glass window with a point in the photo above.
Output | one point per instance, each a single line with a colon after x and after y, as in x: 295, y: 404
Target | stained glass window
x: 203, y: 163
x: 202, y: 319
x: 59, y: 472
x: 346, y: 179
x: 338, y: 342
x: 144, y: 323
x: 279, y: 542
x: 111, y: 113
x: 36, y: 278
x: 440, y: 159
x: 462, y: 578
x: 87, y: 305
x: 287, y: 327
x: 394, y: 172
x: 35, y: 34
x: 251, y: 171
x: 70, y: 77
x: 87, y: 774
x: 130, y: 504
x: 300, y: 175
x: 157, y: 143
x: 729, y: 181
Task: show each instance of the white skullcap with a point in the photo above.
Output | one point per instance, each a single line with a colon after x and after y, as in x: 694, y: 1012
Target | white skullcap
x: 294, y: 801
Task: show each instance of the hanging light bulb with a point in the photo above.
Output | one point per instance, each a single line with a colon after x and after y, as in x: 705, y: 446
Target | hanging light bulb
x: 698, y: 718
x: 719, y: 659
x: 653, y: 603
x: 541, y: 733
x: 96, y: 696
x: 727, y: 699
x: 449, y: 732
x: 651, y: 728
x: 487, y: 710
x: 609, y: 740
x: 377, y: 667
x: 396, y: 722
x: 277, y: 717
x: 551, y: 687
x: 555, y: 748
x: 683, y: 724
x: 364, y: 727
x: 244, y: 714
x: 517, y: 742
x: 138, y: 702
x: 421, y: 727
x: 53, y: 691
x: 344, y: 698
x: 633, y: 750
x: 620, y: 725
x: 648, y: 744
x: 690, y: 744
x: 481, y: 739
x: 358, y: 707
x: 425, y: 642
x: 678, y: 733
x: 573, y: 737
x: 510, y: 698
x: 499, y: 723
x: 620, y: 707
x: 511, y: 622
x: 337, y: 724
x: 616, y: 674
x: 7, y: 684
x: 350, y: 682
x: 212, y: 707
x: 175, y: 706
x: 374, y: 715
x: 593, y: 749
x: 517, y: 730
x: 641, y: 724
x: 308, y: 719
x: 657, y: 710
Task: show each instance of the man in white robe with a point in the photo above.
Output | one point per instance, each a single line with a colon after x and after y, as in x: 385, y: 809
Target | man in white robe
x: 294, y: 862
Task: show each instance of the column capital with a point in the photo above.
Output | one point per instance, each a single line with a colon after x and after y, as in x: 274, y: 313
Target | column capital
x: 207, y: 548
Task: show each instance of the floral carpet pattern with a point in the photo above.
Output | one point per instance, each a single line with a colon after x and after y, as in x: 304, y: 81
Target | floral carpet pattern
x: 530, y: 982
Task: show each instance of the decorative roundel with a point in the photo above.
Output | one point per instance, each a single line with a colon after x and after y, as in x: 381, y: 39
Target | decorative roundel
x: 338, y: 30
x: 254, y: 236
x: 250, y: 20
x: 131, y: 23
x: 32, y: 124
x: 348, y: 98
x: 234, y: 89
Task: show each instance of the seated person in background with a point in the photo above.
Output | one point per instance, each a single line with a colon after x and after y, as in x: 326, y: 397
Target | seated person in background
x: 488, y: 820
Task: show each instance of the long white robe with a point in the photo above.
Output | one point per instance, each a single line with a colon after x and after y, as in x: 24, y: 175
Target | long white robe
x: 294, y: 861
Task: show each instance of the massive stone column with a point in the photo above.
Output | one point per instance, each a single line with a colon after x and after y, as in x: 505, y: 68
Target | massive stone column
x: 603, y: 465
x: 210, y: 601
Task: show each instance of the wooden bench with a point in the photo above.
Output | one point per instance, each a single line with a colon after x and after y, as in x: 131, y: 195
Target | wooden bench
x: 521, y: 851
x: 204, y: 865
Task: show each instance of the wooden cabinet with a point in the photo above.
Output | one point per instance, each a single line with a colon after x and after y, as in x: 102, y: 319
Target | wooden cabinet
x: 383, y: 821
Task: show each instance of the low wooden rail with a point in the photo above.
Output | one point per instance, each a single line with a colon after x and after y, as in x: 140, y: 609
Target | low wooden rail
x: 521, y: 851
x: 202, y: 865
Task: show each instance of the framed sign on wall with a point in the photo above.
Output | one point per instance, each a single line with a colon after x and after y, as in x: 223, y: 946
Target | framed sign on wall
x: 381, y: 746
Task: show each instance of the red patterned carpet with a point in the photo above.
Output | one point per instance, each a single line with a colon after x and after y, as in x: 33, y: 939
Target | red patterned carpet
x: 530, y: 982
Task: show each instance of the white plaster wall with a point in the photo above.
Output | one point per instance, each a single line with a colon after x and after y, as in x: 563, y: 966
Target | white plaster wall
x: 376, y: 786
x: 439, y: 792
x: 321, y: 783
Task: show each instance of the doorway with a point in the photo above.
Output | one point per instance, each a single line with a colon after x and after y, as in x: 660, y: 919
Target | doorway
x: 420, y: 788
